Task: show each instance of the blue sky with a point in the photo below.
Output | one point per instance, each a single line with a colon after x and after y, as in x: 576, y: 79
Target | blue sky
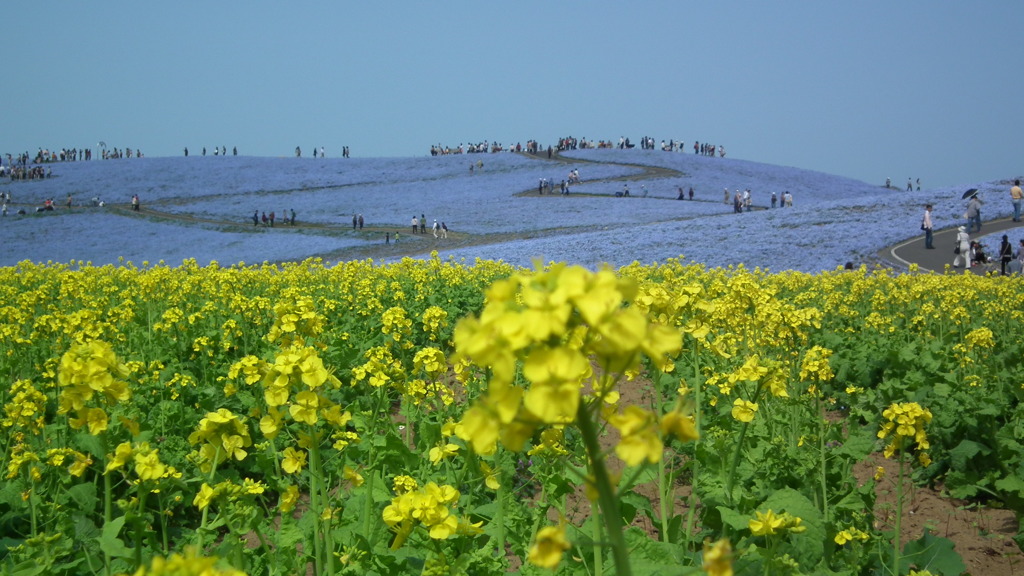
x: 869, y: 90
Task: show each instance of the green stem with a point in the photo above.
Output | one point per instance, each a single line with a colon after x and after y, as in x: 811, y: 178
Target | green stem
x: 824, y: 459
x: 140, y: 524
x: 731, y: 479
x: 108, y: 503
x: 316, y: 507
x: 166, y: 549
x: 697, y: 411
x: 606, y: 494
x: 596, y: 536
x: 499, y: 516
x: 664, y: 499
x: 201, y: 532
x: 899, y: 517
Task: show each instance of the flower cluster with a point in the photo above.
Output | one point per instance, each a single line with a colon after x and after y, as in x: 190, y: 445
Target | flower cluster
x: 816, y: 368
x: 146, y: 459
x: 435, y: 319
x: 717, y: 558
x: 769, y: 523
x: 222, y: 436
x: 294, y: 322
x: 849, y: 535
x: 548, y: 547
x: 554, y: 322
x: 906, y: 421
x: 25, y: 409
x: 86, y: 371
x: 228, y: 491
x: 430, y: 506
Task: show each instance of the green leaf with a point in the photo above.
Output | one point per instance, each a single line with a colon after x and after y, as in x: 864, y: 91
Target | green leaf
x: 28, y: 568
x: 84, y: 495
x: 654, y: 558
x: 934, y: 554
x: 110, y: 543
x: 858, y: 445
x: 90, y: 444
x: 733, y: 519
x: 808, y: 547
x: 964, y: 451
x: 1013, y: 484
x: 630, y: 503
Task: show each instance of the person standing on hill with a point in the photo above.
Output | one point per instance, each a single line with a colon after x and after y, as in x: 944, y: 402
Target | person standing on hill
x: 926, y: 225
x: 1016, y: 195
x: 256, y: 218
x: 415, y: 226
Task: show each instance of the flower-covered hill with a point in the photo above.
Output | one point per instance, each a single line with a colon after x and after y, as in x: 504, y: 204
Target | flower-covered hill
x: 202, y: 208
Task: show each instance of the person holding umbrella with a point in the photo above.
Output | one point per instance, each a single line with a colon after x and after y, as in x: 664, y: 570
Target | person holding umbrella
x: 973, y: 210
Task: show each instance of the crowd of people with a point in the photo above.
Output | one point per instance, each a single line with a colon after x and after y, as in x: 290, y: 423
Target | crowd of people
x: 19, y: 172
x: 478, y: 148
x: 419, y: 226
x: 971, y: 253
x: 268, y: 220
x: 26, y: 166
x: 572, y: 143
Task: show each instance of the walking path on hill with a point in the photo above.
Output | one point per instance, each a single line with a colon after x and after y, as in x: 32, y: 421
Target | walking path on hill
x: 912, y: 251
x: 647, y: 173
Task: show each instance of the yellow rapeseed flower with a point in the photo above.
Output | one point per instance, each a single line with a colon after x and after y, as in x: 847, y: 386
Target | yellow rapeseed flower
x: 548, y: 547
x: 293, y: 461
x: 717, y: 558
x: 743, y: 410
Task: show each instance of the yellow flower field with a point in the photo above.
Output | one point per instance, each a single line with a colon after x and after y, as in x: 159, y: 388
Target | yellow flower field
x: 431, y: 417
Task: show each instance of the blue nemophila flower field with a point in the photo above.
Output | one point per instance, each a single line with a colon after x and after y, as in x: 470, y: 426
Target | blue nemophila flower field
x: 202, y: 207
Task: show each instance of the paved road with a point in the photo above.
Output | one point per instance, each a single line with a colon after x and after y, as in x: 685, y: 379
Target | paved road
x: 913, y: 250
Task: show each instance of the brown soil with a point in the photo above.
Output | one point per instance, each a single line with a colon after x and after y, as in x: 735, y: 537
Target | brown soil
x: 982, y: 536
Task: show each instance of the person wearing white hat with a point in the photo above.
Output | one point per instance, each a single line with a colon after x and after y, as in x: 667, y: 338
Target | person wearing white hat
x: 963, y: 248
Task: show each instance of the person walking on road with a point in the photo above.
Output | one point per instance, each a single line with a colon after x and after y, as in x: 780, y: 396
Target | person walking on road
x: 1016, y: 195
x: 974, y: 214
x: 963, y: 248
x: 926, y: 225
